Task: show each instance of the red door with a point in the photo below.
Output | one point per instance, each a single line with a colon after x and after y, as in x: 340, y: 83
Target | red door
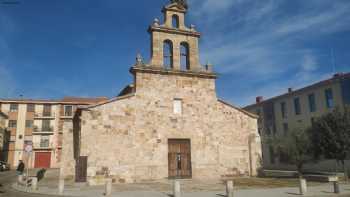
x: 42, y: 160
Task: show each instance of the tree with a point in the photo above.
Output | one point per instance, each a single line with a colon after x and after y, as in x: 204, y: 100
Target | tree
x: 296, y: 147
x: 330, y: 135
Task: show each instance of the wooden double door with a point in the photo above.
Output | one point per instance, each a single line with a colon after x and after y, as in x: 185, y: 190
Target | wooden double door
x: 179, y: 158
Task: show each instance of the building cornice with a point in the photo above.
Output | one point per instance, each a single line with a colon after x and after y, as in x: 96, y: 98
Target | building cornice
x: 162, y: 71
x: 174, y: 31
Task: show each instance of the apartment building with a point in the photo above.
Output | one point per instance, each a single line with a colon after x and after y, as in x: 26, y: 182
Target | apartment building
x: 298, y: 109
x: 3, y: 133
x: 38, y: 123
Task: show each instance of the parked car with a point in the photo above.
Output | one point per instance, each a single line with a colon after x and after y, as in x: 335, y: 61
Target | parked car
x: 4, y: 166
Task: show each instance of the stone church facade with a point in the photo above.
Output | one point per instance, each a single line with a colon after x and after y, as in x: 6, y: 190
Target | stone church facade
x: 168, y: 124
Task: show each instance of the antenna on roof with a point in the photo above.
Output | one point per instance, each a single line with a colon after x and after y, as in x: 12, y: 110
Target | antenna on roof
x: 333, y: 60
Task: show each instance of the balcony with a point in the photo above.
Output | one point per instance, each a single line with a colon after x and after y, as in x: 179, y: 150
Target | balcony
x: 43, y: 145
x: 44, y: 115
x: 43, y: 130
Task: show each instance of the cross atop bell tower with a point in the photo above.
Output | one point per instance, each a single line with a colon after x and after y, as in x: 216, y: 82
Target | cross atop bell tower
x: 174, y: 46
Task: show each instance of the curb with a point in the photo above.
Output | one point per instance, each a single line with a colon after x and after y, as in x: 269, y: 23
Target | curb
x: 28, y: 190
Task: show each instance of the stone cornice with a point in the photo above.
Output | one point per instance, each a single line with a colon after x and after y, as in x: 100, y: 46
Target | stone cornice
x: 174, y: 31
x: 160, y: 70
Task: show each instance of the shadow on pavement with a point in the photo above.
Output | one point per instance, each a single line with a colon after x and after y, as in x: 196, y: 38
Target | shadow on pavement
x: 296, y: 194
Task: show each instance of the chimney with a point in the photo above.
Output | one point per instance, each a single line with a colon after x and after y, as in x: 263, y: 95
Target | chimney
x: 290, y: 90
x: 336, y: 75
x: 259, y: 99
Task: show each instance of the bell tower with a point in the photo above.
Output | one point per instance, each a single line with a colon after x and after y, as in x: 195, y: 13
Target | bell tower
x: 174, y: 45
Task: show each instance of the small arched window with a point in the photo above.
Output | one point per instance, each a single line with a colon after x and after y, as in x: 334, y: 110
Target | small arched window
x: 168, y: 54
x: 175, y: 21
x: 184, y: 56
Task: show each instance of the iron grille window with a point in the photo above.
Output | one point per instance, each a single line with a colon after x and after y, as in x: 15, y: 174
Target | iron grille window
x: 29, y: 123
x: 284, y: 110
x: 312, y: 103
x: 46, y: 125
x: 31, y: 108
x: 45, y: 141
x: 12, y: 123
x: 13, y: 107
x: 297, y: 107
x: 68, y: 110
x: 329, y: 98
x: 47, y: 110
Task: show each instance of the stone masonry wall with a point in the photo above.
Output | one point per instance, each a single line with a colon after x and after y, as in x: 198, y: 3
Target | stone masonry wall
x: 128, y: 138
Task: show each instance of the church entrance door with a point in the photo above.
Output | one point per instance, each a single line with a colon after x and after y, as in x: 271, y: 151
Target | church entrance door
x: 179, y: 158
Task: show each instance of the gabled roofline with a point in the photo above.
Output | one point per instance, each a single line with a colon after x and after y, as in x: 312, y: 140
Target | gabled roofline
x: 106, y: 102
x: 170, y: 7
x: 239, y: 109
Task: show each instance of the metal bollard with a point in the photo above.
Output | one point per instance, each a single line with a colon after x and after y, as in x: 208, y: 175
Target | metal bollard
x: 34, y: 183
x: 61, y: 186
x: 229, y: 188
x: 336, y: 187
x: 303, y: 187
x: 177, y: 188
x: 108, y: 187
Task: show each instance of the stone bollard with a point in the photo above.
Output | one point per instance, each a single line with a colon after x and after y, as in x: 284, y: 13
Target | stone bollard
x: 20, y: 179
x: 108, y: 187
x: 336, y: 187
x: 34, y: 183
x: 303, y: 186
x: 229, y: 188
x: 177, y: 188
x: 61, y: 186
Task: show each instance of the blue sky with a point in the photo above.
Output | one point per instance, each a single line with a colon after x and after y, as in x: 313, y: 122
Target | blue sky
x: 56, y: 48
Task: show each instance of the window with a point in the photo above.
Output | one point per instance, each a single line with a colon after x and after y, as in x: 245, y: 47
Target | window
x: 29, y: 123
x: 284, y: 110
x: 329, y: 98
x: 168, y: 54
x: 13, y: 107
x: 45, y: 141
x: 297, y: 108
x: 184, y: 56
x: 177, y: 106
x: 47, y: 110
x: 30, y: 108
x: 12, y: 123
x: 312, y: 102
x: 68, y: 110
x: 175, y: 21
x: 46, y: 125
x: 285, y: 129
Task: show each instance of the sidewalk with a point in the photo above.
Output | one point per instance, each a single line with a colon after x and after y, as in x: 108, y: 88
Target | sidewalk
x: 324, y: 190
x: 190, y: 188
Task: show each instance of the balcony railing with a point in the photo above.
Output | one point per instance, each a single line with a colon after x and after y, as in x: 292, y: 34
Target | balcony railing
x: 44, y: 115
x: 42, y: 130
x: 42, y: 145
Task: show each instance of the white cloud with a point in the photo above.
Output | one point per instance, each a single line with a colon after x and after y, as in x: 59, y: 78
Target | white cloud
x: 264, y: 41
x: 309, y: 63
